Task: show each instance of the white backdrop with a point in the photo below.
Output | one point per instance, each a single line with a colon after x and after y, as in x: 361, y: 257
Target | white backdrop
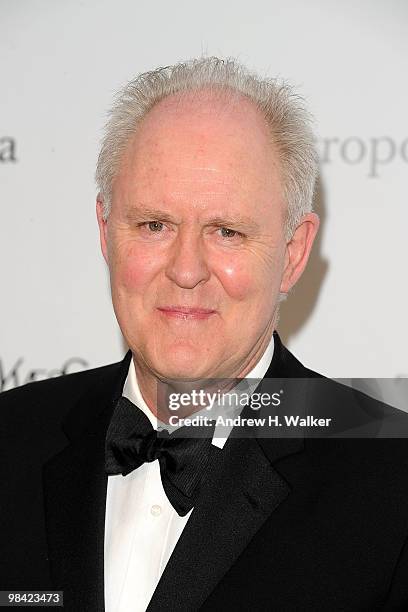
x: 61, y: 62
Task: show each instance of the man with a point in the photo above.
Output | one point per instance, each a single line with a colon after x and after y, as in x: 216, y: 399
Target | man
x: 206, y: 178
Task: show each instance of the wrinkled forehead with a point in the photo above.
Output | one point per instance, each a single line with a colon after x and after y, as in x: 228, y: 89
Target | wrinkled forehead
x: 200, y: 145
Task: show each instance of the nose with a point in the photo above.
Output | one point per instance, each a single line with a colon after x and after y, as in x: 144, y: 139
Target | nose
x: 187, y: 265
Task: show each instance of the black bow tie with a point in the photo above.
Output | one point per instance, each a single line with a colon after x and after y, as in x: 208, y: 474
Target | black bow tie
x: 132, y: 441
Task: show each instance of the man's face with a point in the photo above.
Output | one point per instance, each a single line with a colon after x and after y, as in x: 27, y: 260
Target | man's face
x: 195, y: 239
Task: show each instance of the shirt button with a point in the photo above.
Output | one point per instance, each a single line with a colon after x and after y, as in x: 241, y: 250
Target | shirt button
x: 155, y: 510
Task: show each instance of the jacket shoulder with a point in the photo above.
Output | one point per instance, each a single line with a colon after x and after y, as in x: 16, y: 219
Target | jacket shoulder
x: 32, y: 405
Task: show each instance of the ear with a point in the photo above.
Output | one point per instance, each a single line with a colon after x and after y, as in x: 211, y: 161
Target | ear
x: 103, y: 230
x: 298, y: 251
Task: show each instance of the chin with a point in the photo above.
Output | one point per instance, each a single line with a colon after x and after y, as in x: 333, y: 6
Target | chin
x: 180, y: 371
x: 183, y: 364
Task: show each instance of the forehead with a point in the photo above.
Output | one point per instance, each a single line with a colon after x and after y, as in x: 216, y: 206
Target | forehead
x: 202, y: 143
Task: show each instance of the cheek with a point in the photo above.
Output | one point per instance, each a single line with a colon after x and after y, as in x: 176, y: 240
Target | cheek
x: 247, y: 278
x: 241, y: 280
x: 134, y: 268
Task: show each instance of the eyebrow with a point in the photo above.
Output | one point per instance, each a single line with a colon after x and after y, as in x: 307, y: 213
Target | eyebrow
x: 240, y: 222
x: 135, y: 213
x: 237, y: 221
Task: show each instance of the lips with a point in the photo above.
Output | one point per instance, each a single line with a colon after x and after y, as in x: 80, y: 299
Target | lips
x: 184, y: 312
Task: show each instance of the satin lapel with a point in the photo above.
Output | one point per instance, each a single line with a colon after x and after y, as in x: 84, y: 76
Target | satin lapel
x: 75, y: 497
x: 241, y: 492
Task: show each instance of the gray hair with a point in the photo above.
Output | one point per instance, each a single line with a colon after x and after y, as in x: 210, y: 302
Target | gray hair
x: 284, y: 111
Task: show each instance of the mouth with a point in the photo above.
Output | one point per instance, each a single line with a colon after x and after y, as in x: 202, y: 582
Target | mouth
x: 184, y: 312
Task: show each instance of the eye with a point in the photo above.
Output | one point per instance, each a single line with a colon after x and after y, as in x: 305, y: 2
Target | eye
x: 226, y: 232
x: 155, y: 226
x: 153, y: 231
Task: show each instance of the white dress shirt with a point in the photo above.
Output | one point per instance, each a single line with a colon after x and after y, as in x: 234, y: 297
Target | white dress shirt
x: 141, y: 526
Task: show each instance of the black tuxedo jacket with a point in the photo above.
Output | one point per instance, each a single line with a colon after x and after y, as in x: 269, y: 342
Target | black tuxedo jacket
x: 282, y: 524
